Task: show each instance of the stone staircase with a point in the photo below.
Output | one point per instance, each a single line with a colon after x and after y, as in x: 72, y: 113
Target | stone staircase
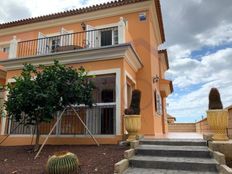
x: 172, y: 157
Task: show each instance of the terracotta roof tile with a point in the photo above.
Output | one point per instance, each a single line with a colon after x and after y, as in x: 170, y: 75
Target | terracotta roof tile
x: 102, y: 6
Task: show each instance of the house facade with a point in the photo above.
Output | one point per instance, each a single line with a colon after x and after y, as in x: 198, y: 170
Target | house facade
x: 118, y: 42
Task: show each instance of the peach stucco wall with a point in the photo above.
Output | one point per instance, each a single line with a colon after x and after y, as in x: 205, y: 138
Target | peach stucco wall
x: 69, y: 140
x: 141, y: 35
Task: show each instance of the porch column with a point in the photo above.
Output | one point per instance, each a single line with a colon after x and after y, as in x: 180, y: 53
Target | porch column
x: 13, y: 48
x: 2, y: 97
x: 118, y: 102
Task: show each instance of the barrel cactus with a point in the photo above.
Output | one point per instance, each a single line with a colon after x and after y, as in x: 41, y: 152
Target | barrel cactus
x: 62, y: 163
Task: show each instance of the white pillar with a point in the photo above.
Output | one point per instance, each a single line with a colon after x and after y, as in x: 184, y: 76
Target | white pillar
x: 121, y: 31
x: 13, y: 48
x: 3, y: 114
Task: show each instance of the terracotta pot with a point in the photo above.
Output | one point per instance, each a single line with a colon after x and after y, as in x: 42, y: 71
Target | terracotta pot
x: 133, y: 126
x: 218, y: 122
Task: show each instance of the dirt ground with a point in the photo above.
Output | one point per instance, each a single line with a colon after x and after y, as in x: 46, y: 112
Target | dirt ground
x: 93, y: 159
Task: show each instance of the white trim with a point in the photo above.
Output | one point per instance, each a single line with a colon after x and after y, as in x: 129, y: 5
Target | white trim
x: 11, y: 80
x: 99, y: 27
x: 79, y: 56
x: 134, y: 63
x: 13, y: 48
x: 125, y: 91
x: 52, y: 34
x: 126, y: 74
x: 130, y: 77
x: 117, y: 71
x: 2, y: 131
x: 106, y: 26
x: 57, y: 33
x: 3, y: 126
x: 121, y: 31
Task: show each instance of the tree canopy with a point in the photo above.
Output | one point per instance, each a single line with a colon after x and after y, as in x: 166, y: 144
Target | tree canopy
x: 40, y: 92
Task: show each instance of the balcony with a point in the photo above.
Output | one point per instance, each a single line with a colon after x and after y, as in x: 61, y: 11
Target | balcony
x: 93, y: 44
x: 69, y: 42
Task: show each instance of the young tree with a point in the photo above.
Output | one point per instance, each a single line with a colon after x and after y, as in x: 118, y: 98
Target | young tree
x: 38, y: 94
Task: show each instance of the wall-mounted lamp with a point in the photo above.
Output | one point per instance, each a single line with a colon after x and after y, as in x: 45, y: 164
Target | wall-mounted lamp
x: 156, y: 79
x: 83, y: 25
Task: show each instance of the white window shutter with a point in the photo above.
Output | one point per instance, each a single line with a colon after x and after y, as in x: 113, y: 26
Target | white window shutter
x: 67, y: 38
x: 92, y: 37
x: 42, y: 45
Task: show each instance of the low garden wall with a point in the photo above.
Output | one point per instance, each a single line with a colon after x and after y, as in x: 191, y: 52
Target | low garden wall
x: 202, y: 126
x: 182, y: 127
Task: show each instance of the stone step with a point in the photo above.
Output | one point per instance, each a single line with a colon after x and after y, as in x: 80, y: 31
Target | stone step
x: 174, y: 163
x: 175, y: 142
x: 160, y: 171
x: 173, y: 151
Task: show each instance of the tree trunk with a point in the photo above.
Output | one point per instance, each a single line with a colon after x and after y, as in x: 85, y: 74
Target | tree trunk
x: 36, y: 147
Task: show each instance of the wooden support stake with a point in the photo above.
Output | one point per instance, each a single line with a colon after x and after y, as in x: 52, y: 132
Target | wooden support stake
x: 50, y: 133
x: 85, y: 126
x: 20, y: 123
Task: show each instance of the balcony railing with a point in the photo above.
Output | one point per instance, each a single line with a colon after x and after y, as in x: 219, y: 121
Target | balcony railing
x: 99, y: 119
x: 67, y: 42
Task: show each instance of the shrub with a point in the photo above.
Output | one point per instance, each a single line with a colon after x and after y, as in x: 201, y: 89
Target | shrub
x: 134, y: 108
x: 215, y: 99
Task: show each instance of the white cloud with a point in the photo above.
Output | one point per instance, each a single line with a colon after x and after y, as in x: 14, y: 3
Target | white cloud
x: 13, y: 10
x: 216, y: 36
x: 188, y: 71
x: 196, y: 25
x: 213, y: 70
x: 19, y: 9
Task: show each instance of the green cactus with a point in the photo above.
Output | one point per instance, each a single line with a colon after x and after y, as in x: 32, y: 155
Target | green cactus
x: 134, y: 108
x: 215, y: 99
x: 62, y: 163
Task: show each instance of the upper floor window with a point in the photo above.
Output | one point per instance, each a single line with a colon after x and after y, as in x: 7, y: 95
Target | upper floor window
x: 5, y: 49
x: 109, y: 36
x: 101, y: 36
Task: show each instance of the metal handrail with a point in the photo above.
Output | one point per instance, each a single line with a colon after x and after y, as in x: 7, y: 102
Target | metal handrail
x: 67, y: 42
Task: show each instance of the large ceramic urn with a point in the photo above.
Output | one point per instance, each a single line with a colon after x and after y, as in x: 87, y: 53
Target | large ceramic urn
x: 218, y: 122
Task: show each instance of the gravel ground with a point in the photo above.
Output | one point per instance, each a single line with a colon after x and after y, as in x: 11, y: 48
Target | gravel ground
x: 93, y: 159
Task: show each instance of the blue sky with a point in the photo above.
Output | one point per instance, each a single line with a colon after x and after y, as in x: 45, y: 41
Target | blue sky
x: 199, y: 44
x: 198, y: 40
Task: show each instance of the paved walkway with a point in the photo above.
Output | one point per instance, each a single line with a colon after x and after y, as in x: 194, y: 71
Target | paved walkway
x: 177, y: 135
